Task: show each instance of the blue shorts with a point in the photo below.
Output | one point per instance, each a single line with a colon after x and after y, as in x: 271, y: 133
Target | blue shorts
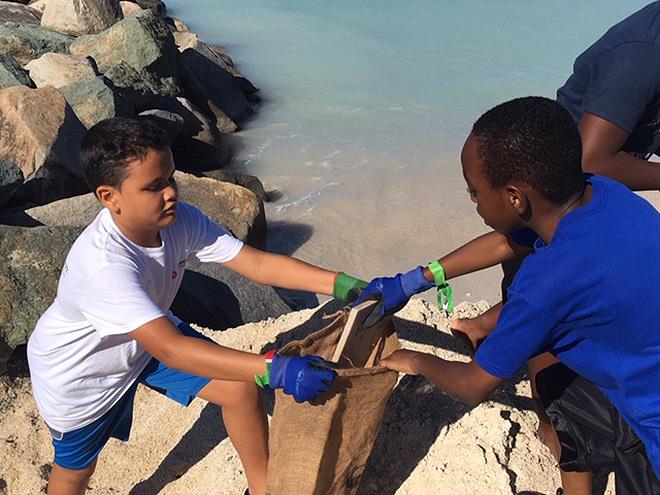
x: 77, y: 449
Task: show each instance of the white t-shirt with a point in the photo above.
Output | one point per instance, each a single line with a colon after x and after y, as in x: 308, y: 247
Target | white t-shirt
x: 81, y: 359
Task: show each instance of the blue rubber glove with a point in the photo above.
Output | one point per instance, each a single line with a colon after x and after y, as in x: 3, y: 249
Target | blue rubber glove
x: 394, y: 292
x: 304, y: 377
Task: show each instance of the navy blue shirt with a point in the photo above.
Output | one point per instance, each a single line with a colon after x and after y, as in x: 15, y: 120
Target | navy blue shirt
x: 618, y: 79
x: 591, y: 298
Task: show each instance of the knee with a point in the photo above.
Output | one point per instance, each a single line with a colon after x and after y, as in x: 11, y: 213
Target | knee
x: 244, y: 395
x: 232, y: 394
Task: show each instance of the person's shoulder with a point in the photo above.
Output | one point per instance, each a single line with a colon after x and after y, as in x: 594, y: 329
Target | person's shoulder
x: 101, y: 244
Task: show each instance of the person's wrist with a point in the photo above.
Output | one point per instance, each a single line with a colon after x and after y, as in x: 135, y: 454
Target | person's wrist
x: 347, y: 288
x: 265, y: 378
x: 414, y: 282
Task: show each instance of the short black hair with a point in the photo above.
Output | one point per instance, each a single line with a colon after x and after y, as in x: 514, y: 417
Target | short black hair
x: 531, y: 140
x: 111, y: 144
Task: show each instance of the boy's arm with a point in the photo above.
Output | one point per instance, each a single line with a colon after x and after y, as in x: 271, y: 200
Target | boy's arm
x: 303, y: 377
x: 282, y: 271
x: 483, y: 252
x: 601, y: 154
x: 166, y: 343
x: 479, y: 253
x: 468, y: 382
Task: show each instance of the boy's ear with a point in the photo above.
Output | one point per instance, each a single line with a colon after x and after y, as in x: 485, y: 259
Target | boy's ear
x: 108, y: 196
x: 517, y: 199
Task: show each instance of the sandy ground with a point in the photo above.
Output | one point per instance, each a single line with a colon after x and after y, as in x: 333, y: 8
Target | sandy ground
x: 428, y: 443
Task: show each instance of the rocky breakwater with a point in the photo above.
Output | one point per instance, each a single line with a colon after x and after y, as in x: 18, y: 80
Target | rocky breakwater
x: 66, y: 65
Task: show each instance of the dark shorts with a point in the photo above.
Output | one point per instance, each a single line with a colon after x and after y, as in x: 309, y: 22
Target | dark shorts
x: 79, y: 448
x: 593, y: 435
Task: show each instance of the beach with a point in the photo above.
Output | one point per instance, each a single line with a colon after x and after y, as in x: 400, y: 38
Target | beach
x: 358, y: 181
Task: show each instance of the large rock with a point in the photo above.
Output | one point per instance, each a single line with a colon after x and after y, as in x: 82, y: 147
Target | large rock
x: 176, y: 24
x: 227, y: 204
x: 39, y: 5
x: 60, y: 69
x: 11, y: 73
x: 15, y: 12
x: 200, y: 139
x: 26, y: 41
x: 11, y: 178
x: 204, y: 81
x: 156, y: 6
x: 186, y: 39
x: 129, y: 8
x: 42, y: 136
x: 78, y: 17
x: 143, y: 46
x: 230, y: 205
x: 32, y: 259
x: 96, y: 99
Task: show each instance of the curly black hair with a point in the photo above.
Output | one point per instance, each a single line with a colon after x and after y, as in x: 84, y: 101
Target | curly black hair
x: 110, y: 145
x: 531, y: 140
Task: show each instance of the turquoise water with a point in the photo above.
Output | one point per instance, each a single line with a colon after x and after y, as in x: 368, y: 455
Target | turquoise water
x: 366, y: 106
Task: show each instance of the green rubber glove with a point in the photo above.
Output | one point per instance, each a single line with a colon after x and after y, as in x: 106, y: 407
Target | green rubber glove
x: 347, y: 288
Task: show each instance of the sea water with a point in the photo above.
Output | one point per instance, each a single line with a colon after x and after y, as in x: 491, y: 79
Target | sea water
x: 365, y: 107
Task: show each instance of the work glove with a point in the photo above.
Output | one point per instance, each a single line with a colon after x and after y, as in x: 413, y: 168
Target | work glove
x: 347, y: 288
x: 304, y: 377
x: 393, y: 292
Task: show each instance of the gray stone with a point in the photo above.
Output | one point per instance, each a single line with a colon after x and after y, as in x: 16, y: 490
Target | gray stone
x: 94, y: 100
x: 11, y: 178
x: 60, y: 69
x: 11, y: 73
x: 186, y: 40
x: 15, y: 12
x: 32, y: 260
x: 156, y: 6
x: 143, y: 47
x: 204, y: 80
x: 42, y: 136
x: 200, y: 141
x: 78, y: 17
x: 26, y: 41
x: 170, y: 122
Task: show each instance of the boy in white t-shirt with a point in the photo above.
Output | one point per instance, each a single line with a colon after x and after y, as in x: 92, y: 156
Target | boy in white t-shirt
x: 110, y: 326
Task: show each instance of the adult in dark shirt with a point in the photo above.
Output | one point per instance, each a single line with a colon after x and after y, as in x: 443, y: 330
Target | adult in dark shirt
x: 614, y: 97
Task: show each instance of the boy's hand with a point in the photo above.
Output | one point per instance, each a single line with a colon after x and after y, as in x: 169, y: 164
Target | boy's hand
x: 394, y: 292
x: 304, y: 377
x: 347, y: 288
x: 402, y: 361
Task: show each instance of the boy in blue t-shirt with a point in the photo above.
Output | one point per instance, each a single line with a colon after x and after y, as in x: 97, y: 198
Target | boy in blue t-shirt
x: 587, y: 294
x: 111, y: 328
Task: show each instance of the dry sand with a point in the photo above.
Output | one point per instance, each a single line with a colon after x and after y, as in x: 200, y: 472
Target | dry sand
x: 428, y: 443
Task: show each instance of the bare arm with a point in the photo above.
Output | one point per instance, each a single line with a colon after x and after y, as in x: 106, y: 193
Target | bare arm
x: 601, y: 154
x: 281, y: 271
x: 483, y: 252
x: 465, y: 381
x: 166, y: 343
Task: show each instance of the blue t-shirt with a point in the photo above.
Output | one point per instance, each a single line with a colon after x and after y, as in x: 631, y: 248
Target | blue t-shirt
x: 591, y: 298
x: 618, y: 79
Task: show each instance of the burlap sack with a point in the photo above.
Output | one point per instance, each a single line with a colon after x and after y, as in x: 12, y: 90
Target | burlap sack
x: 322, y: 448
